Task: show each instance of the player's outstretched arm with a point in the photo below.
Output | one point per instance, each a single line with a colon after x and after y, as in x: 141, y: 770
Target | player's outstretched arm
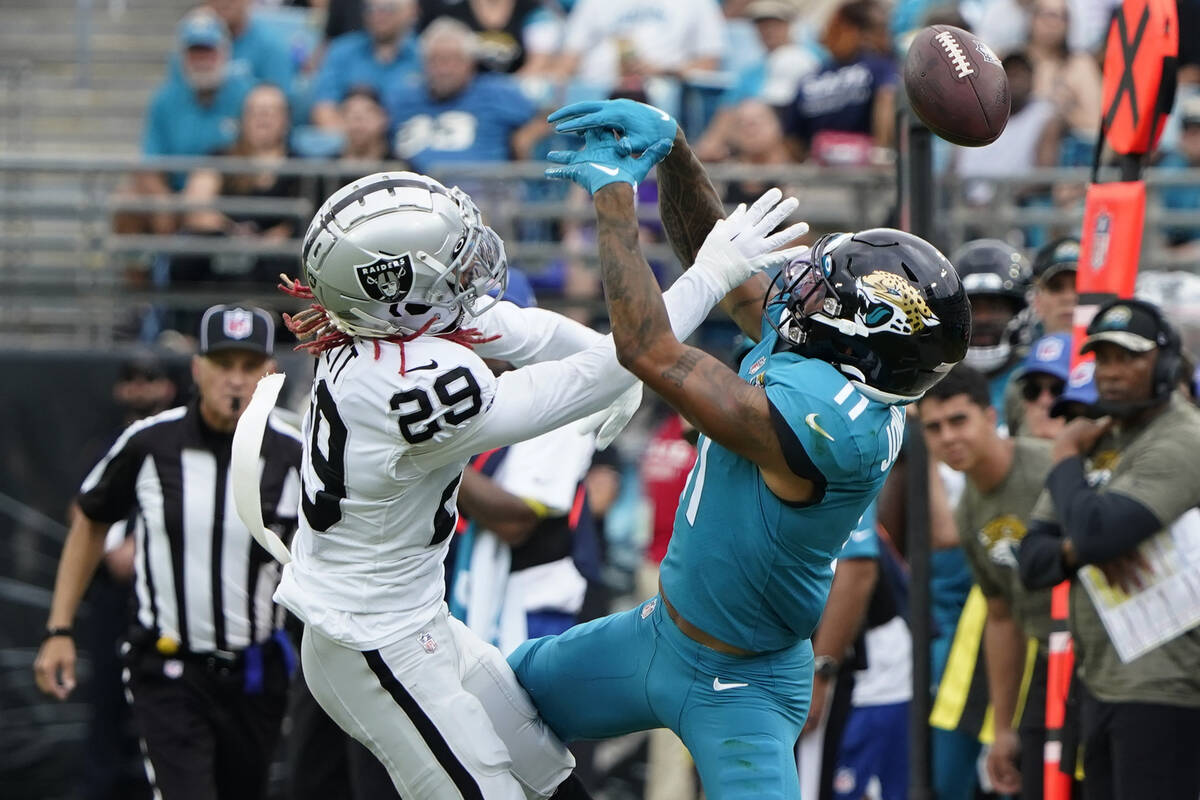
x: 720, y: 404
x: 531, y: 335
x: 688, y: 202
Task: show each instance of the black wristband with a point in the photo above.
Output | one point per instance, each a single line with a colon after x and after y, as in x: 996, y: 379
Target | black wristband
x: 52, y: 632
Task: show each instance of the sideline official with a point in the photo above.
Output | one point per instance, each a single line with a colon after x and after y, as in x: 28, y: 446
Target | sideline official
x: 206, y: 667
x: 1116, y: 484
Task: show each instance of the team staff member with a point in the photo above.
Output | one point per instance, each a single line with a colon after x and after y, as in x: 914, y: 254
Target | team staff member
x: 1116, y: 483
x: 1004, y: 478
x: 207, y: 669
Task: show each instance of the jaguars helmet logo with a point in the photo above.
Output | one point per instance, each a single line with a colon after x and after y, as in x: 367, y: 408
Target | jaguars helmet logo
x: 889, y: 303
x: 1000, y: 537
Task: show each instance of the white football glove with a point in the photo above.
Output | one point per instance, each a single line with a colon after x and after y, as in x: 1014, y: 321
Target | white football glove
x: 742, y: 244
x: 609, y: 422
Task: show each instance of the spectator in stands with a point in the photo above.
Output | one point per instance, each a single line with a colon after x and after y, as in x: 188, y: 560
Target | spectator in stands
x: 264, y: 137
x: 382, y: 57
x: 773, y: 80
x: 256, y: 49
x: 365, y: 126
x: 452, y: 113
x: 848, y: 105
x: 194, y: 113
x: 1054, y: 269
x: 1003, y: 480
x: 515, y: 36
x: 1030, y: 139
x: 1070, y: 80
x: 1184, y: 198
x: 1117, y: 484
x: 1039, y: 383
x: 757, y: 138
x: 606, y: 40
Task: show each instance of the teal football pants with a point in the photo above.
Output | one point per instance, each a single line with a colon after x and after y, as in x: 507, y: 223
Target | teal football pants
x: 739, y: 717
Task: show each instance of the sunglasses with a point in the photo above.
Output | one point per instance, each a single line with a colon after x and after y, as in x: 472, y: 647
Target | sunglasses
x: 1032, y: 388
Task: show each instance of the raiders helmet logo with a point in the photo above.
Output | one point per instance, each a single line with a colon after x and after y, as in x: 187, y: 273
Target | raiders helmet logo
x: 387, y: 280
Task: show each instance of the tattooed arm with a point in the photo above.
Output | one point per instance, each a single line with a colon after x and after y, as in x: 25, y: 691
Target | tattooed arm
x: 709, y: 394
x: 689, y: 205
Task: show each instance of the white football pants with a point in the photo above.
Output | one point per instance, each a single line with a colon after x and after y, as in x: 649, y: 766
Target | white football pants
x: 442, y: 711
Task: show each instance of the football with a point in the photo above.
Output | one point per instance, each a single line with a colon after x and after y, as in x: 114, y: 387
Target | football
x: 956, y: 86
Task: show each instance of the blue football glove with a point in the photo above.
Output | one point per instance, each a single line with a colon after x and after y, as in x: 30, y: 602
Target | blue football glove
x: 641, y: 126
x: 600, y: 162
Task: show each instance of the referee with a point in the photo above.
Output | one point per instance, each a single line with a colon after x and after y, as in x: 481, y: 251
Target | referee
x: 207, y: 667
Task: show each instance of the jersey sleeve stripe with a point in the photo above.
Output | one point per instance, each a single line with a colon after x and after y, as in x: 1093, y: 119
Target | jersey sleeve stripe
x: 859, y: 408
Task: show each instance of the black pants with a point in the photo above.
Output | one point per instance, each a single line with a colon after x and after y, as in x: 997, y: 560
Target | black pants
x: 326, y: 763
x: 1139, y: 751
x: 205, y: 737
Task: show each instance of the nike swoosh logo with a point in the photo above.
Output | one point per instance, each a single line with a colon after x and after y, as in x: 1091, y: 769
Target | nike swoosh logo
x: 720, y: 687
x: 811, y: 421
x: 664, y: 114
x: 606, y: 170
x: 430, y: 365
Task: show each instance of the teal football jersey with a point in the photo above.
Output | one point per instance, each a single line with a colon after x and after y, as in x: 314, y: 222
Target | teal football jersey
x: 749, y: 568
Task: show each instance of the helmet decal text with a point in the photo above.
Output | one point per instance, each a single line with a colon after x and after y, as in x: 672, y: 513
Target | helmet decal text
x: 388, y: 279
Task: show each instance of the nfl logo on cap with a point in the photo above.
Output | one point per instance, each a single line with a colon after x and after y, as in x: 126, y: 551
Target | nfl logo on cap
x: 238, y: 323
x: 234, y: 328
x: 1049, y: 349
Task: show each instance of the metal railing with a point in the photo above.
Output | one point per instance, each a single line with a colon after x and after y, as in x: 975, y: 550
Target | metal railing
x: 66, y: 269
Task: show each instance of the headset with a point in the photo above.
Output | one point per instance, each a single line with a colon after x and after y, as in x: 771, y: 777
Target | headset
x: 1170, y: 347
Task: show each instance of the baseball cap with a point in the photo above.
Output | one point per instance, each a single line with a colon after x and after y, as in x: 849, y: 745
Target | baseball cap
x: 141, y: 365
x: 1129, y: 324
x: 1050, y: 355
x: 201, y: 27
x: 1081, y: 388
x: 1189, y: 110
x: 771, y: 9
x: 236, y: 328
x: 1058, y: 256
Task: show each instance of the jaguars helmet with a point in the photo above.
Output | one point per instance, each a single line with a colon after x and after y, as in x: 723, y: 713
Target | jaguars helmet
x: 991, y: 267
x: 397, y: 252
x: 882, y: 305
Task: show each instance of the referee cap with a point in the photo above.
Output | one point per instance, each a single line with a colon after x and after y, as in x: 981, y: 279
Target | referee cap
x: 226, y: 327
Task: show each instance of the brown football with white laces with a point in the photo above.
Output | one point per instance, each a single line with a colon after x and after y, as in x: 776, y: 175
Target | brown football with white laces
x: 956, y: 86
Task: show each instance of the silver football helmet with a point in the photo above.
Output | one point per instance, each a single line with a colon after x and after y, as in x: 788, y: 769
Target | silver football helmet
x: 393, y: 252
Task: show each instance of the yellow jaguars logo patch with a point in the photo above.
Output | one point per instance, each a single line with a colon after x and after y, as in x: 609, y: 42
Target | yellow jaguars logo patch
x: 1000, y: 538
x: 1098, y: 468
x: 888, y: 302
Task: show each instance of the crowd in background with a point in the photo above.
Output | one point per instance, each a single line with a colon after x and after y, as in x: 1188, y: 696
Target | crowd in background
x: 433, y: 82
x: 430, y: 84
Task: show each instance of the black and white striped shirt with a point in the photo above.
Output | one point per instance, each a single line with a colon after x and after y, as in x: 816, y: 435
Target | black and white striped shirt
x: 200, y: 577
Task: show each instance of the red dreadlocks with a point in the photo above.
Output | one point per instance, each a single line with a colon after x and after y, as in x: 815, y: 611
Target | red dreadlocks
x: 317, y: 332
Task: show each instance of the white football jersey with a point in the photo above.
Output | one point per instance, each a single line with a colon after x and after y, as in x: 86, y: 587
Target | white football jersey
x: 383, y: 458
x: 384, y: 454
